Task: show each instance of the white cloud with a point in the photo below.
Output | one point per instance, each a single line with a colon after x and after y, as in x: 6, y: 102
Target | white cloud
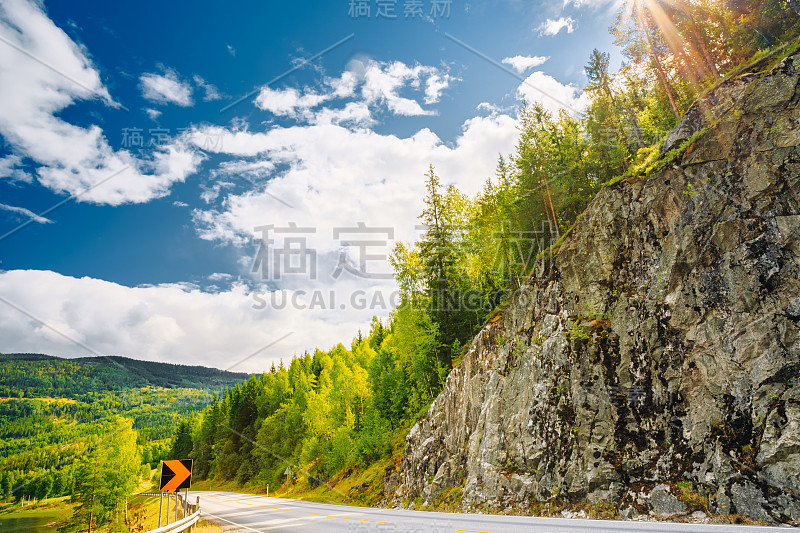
x: 328, y: 176
x: 211, y: 91
x: 71, y: 159
x: 166, y: 88
x: 552, y: 94
x: 25, y: 213
x: 209, y: 194
x: 434, y: 86
x: 176, y: 323
x: 178, y: 203
x: 231, y: 50
x: 11, y: 169
x: 288, y: 102
x: 339, y: 176
x: 153, y: 114
x: 380, y: 84
x: 523, y: 63
x: 248, y: 169
x: 554, y: 26
x: 354, y: 114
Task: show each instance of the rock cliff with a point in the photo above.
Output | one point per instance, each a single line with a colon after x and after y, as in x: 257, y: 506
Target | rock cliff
x: 653, y: 363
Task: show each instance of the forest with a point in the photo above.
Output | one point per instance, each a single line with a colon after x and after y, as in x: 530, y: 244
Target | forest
x: 338, y: 410
x: 63, y: 420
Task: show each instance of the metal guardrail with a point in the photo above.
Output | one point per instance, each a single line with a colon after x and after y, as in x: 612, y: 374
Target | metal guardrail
x: 182, y: 524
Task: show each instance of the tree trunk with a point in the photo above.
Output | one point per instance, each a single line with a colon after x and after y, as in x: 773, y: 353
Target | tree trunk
x: 659, y: 69
x: 703, y: 48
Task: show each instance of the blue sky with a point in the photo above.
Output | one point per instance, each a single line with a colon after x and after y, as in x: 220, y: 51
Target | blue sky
x: 123, y: 111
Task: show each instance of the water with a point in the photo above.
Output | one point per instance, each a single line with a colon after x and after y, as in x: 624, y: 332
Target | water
x: 36, y: 524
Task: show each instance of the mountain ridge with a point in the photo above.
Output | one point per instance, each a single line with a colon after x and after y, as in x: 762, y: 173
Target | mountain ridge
x: 42, y: 374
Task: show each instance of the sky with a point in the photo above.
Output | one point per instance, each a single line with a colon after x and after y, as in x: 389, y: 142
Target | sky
x: 220, y: 183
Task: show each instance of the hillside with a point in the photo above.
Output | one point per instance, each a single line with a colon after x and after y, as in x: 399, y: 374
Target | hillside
x: 37, y: 375
x: 650, y: 365
x: 54, y: 410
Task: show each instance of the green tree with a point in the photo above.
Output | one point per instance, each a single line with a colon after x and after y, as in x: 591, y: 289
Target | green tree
x: 105, y: 476
x: 181, y: 446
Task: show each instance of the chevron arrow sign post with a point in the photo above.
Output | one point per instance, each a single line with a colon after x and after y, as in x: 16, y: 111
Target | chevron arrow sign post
x: 176, y: 475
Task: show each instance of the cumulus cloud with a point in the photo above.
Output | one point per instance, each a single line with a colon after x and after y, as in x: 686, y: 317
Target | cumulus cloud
x: 552, y: 94
x: 382, y: 83
x: 366, y: 83
x: 554, y: 26
x: 175, y: 323
x: 166, y: 88
x: 337, y: 176
x: 523, y: 63
x: 248, y: 169
x: 70, y: 158
x: 288, y: 102
x: 152, y: 114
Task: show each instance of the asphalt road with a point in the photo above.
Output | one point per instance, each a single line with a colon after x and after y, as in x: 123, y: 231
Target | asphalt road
x: 247, y: 513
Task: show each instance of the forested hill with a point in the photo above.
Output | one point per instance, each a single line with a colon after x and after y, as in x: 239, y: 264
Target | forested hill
x: 37, y: 375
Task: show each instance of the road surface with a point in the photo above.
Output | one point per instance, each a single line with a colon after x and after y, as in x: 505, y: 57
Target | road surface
x: 248, y: 514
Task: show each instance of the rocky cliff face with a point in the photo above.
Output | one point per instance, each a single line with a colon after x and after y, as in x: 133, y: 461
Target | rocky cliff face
x: 653, y: 364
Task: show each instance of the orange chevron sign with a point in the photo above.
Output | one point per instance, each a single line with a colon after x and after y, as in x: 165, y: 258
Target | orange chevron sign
x: 176, y: 475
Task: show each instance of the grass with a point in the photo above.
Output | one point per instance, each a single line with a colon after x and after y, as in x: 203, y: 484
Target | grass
x: 692, y: 498
x: 46, y: 514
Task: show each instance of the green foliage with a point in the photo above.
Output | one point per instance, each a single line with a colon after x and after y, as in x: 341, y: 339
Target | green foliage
x: 576, y: 331
x: 45, y: 441
x: 690, y: 495
x: 105, y: 476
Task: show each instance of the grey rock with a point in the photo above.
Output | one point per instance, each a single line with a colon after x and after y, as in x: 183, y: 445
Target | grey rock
x: 749, y: 500
x: 629, y: 513
x: 793, y: 309
x: 709, y: 108
x: 665, y: 504
x: 723, y: 506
